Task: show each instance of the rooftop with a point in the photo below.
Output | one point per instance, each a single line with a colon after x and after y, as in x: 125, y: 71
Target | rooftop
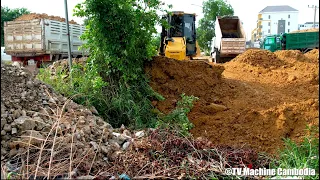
x: 277, y: 9
x: 311, y: 23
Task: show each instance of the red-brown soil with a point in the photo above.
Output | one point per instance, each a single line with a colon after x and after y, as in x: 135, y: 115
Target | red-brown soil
x: 255, y: 100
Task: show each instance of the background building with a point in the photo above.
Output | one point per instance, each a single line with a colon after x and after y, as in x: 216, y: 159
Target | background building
x: 275, y: 20
x: 307, y: 25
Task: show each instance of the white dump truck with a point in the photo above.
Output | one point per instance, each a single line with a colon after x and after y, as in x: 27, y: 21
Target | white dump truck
x: 229, y: 40
x: 41, y: 40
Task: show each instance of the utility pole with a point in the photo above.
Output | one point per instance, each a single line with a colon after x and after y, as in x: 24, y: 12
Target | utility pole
x: 68, y: 36
x: 315, y: 14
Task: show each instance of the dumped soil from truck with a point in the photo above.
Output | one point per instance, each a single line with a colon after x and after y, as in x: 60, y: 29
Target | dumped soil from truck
x: 170, y: 78
x: 248, y: 104
x: 313, y: 55
x: 259, y: 58
x: 306, y: 30
x: 31, y: 16
x: 291, y: 55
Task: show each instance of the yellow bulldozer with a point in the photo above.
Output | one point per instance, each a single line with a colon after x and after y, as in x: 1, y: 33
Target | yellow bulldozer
x: 179, y: 41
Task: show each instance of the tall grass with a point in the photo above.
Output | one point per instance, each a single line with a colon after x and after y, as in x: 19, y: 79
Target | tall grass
x: 300, y: 155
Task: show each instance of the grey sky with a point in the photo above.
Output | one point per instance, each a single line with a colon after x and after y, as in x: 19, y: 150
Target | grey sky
x: 247, y: 10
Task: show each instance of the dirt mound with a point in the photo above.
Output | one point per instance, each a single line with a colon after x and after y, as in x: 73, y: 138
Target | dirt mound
x: 248, y: 105
x: 258, y: 129
x: 31, y: 16
x: 259, y: 58
x: 313, y: 55
x: 296, y: 55
x: 198, y: 78
x: 306, y: 30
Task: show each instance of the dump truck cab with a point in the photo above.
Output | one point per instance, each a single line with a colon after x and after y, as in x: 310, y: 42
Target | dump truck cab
x: 272, y: 43
x: 179, y: 40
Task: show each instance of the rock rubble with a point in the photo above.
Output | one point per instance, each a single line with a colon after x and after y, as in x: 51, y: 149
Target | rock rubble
x: 34, y: 116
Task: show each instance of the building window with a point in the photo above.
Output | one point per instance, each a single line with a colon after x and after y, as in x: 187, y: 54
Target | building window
x: 289, y: 16
x: 269, y: 31
x: 269, y: 16
x: 288, y: 30
x: 288, y: 23
x: 269, y: 23
x: 260, y: 26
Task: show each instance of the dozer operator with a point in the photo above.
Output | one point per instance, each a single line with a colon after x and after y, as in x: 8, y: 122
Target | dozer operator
x: 179, y: 41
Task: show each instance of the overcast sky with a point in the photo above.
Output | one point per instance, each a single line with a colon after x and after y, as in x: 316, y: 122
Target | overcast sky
x: 247, y: 10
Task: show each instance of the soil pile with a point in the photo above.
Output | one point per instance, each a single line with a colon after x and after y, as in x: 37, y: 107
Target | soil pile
x: 293, y: 55
x: 36, y: 120
x: 306, y: 30
x: 31, y: 16
x: 313, y: 55
x: 170, y: 78
x: 248, y: 105
x: 259, y: 58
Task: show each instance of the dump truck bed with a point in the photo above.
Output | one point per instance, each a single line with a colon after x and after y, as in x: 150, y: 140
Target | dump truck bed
x: 41, y: 36
x: 230, y: 36
x: 302, y: 40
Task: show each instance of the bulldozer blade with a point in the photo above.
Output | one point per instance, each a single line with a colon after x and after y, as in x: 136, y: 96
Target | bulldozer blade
x: 202, y: 58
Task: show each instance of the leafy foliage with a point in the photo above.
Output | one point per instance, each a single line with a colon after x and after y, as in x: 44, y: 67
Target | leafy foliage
x: 8, y: 14
x: 156, y: 43
x: 178, y: 118
x: 119, y: 38
x: 205, y: 31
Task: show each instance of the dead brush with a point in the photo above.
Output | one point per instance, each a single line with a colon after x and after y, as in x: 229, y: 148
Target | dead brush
x: 165, y: 154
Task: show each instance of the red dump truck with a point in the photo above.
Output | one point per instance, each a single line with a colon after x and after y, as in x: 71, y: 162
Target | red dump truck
x: 41, y: 40
x: 229, y: 40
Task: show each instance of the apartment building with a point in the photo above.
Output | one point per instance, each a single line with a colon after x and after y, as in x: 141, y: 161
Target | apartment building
x: 275, y: 20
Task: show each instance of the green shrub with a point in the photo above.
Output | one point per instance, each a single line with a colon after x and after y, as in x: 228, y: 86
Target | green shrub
x: 178, y: 118
x: 119, y: 38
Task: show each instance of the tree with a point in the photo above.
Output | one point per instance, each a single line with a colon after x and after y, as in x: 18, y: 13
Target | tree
x: 8, y: 14
x: 119, y: 38
x: 205, y: 31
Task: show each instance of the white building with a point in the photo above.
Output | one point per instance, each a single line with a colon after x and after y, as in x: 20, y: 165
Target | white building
x: 308, y: 25
x: 275, y: 20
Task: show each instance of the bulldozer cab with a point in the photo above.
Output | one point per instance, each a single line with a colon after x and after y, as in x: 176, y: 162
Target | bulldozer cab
x: 181, y: 25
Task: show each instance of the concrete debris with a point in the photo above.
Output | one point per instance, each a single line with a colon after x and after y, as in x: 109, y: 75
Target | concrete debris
x: 31, y: 112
